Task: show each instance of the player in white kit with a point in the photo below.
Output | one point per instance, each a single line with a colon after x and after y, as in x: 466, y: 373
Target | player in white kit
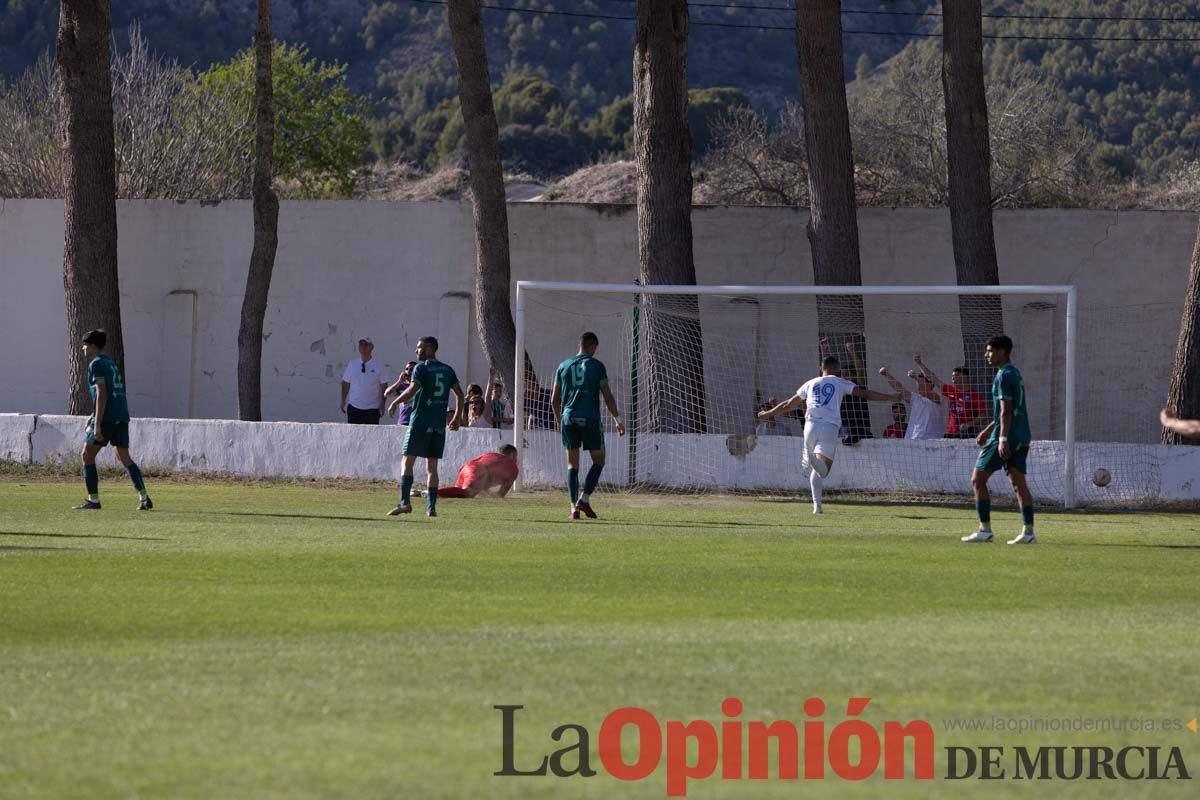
x: 822, y: 401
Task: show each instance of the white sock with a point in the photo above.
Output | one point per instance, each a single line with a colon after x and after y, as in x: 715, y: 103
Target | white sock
x: 817, y: 483
x: 820, y: 467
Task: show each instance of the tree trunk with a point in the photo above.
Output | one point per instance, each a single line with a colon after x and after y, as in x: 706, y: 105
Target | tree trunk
x: 1183, y: 397
x: 493, y: 273
x: 970, y: 182
x: 266, y: 227
x: 90, y: 280
x: 672, y: 349
x: 833, y: 220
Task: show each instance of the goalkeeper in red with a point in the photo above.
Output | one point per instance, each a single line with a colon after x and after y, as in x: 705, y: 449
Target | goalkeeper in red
x: 491, y: 475
x: 578, y: 384
x: 1005, y: 443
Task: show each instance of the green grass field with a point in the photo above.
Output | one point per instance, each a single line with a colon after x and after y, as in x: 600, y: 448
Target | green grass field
x: 289, y: 641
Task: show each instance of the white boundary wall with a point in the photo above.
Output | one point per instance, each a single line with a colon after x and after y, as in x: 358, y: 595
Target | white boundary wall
x: 395, y: 271
x: 229, y: 447
x: 315, y: 450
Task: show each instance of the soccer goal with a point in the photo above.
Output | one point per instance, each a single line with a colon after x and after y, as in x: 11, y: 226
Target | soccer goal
x: 692, y: 365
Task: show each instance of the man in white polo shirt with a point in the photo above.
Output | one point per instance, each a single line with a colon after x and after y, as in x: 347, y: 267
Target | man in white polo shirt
x: 362, y: 387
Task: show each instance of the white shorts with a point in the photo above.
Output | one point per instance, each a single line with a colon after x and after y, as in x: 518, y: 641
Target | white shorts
x: 821, y: 438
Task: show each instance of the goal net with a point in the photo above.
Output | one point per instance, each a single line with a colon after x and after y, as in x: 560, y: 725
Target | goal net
x: 691, y: 366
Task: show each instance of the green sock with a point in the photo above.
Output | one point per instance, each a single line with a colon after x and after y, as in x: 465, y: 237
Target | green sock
x: 573, y: 484
x: 135, y: 475
x: 91, y: 479
x: 591, y: 481
x: 406, y: 482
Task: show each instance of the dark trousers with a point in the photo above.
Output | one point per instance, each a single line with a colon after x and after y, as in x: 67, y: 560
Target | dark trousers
x: 362, y: 416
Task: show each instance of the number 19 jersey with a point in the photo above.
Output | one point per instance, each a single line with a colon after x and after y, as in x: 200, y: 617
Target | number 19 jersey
x: 579, y: 380
x: 823, y: 398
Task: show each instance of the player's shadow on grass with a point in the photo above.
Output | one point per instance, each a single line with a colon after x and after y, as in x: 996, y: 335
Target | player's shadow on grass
x: 630, y: 523
x: 84, y: 536
x: 878, y: 505
x: 20, y: 548
x: 1130, y: 544
x: 294, y: 516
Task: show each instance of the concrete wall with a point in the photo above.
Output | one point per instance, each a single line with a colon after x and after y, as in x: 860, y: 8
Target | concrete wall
x: 228, y: 447
x: 1140, y: 473
x: 395, y: 271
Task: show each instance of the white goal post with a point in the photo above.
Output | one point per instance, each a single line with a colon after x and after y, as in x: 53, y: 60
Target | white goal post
x: 586, y: 296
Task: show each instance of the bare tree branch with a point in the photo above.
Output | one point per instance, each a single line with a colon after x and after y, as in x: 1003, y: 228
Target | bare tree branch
x: 171, y: 140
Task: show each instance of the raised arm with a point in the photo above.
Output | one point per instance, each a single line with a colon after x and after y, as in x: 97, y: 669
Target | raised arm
x: 459, y: 417
x: 1184, y: 427
x: 795, y: 401
x: 929, y: 389
x: 611, y: 402
x: 926, y: 371
x: 856, y: 362
x: 871, y: 394
x: 897, y: 386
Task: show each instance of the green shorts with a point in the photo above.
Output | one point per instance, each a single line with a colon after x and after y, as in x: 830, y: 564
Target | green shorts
x: 989, y: 458
x: 115, y: 433
x: 582, y: 432
x: 424, y: 443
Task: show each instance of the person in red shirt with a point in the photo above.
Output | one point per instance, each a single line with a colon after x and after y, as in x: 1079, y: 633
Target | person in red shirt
x: 967, y: 406
x: 490, y: 474
x: 899, y: 425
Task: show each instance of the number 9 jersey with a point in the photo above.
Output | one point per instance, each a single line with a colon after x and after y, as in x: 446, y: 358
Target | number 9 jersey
x: 823, y: 398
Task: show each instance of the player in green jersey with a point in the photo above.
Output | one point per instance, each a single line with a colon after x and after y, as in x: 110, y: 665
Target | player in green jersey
x: 578, y: 384
x: 1005, y: 443
x: 109, y: 422
x: 432, y: 383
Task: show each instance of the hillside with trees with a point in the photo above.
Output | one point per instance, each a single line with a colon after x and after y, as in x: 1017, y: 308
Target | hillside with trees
x: 563, y: 80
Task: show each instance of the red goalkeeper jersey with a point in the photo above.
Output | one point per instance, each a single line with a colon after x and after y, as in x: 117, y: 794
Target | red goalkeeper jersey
x: 498, y: 469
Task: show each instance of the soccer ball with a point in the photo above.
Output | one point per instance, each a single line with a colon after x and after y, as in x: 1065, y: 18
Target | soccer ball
x: 1101, y: 477
x: 739, y: 444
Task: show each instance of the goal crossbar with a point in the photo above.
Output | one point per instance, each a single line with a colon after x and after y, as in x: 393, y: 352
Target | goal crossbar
x: 1068, y: 290
x: 634, y: 288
